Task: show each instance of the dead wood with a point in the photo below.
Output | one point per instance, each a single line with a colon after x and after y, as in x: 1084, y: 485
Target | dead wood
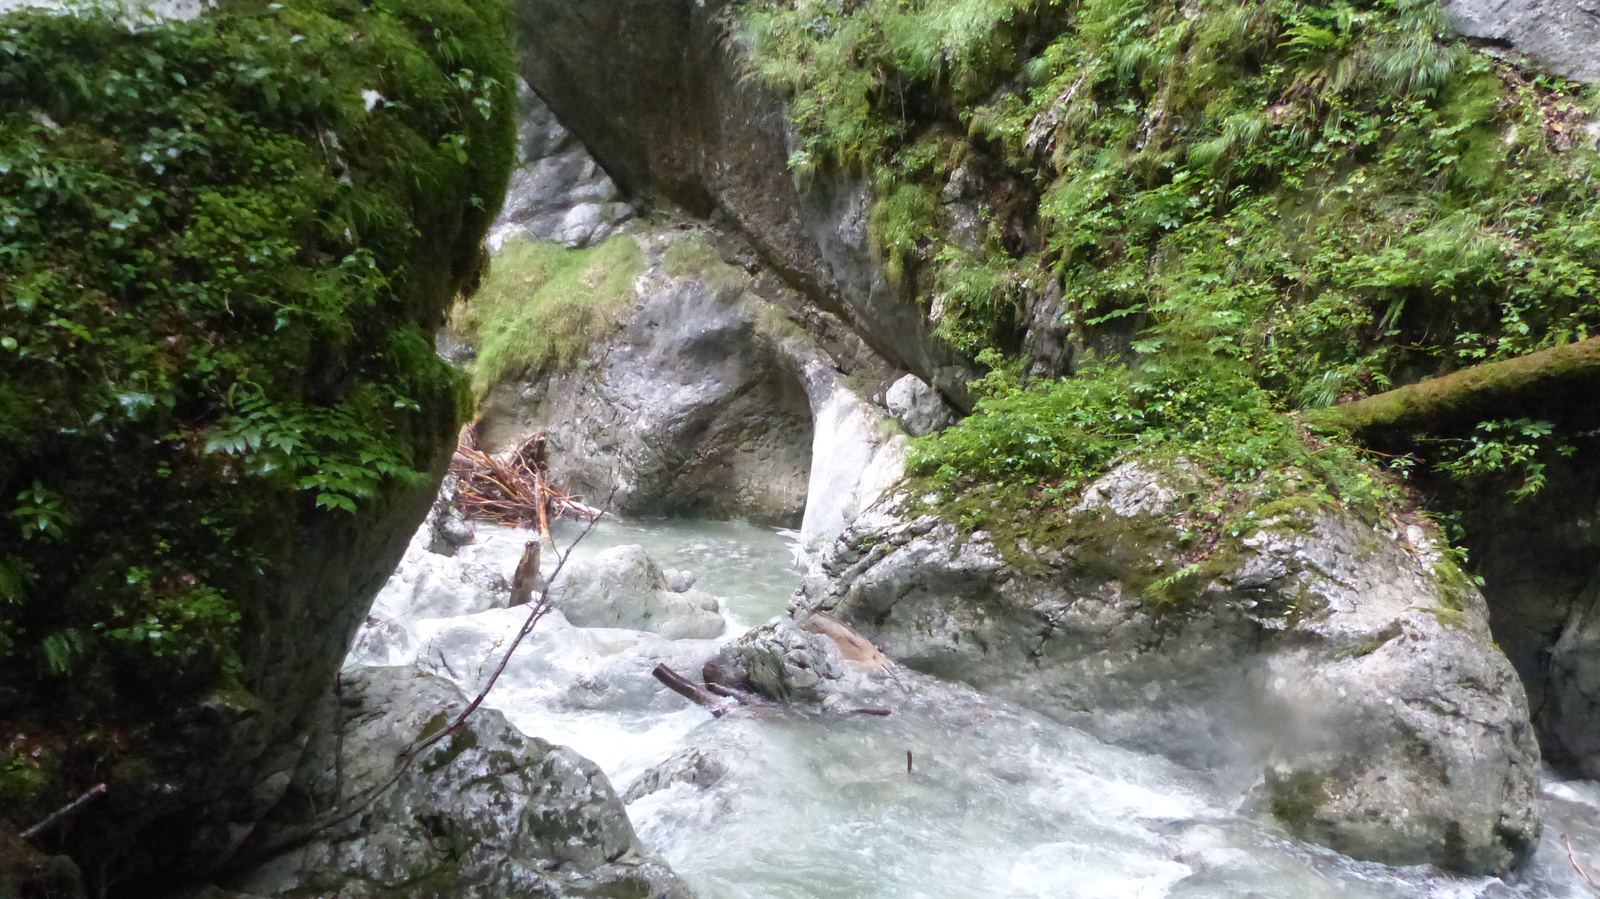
x: 512, y: 488
x: 689, y: 690
x: 1544, y: 384
x: 526, y: 580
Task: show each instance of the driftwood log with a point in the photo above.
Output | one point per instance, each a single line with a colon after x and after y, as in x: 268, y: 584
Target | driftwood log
x: 1554, y: 384
x: 526, y: 579
x: 690, y: 690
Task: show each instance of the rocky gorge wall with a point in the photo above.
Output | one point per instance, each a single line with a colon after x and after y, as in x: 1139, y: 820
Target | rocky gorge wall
x: 1351, y: 598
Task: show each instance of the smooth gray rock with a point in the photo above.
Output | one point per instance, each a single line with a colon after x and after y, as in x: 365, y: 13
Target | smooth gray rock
x: 677, y: 581
x: 658, y: 92
x: 1327, y: 674
x: 557, y: 193
x: 709, y: 401
x: 783, y: 662
x: 622, y: 587
x: 917, y: 407
x: 486, y: 814
x: 1563, y: 36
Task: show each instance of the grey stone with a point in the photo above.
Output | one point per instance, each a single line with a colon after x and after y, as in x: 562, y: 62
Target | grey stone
x: 695, y: 767
x: 656, y: 89
x: 709, y: 401
x: 448, y: 528
x: 917, y: 407
x: 558, y: 193
x: 484, y: 814
x: 677, y: 581
x: 623, y: 587
x: 1562, y: 36
x: 783, y: 662
x: 1329, y: 676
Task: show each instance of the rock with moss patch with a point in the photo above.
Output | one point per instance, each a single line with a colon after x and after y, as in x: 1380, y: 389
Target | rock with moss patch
x: 1319, y: 652
x: 487, y: 813
x: 704, y: 399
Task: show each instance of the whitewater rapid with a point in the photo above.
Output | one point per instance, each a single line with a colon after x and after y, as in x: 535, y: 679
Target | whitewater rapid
x: 999, y: 803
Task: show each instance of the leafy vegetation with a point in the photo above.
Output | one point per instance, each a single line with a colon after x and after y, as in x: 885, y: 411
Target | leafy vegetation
x: 223, y: 244
x: 542, y: 306
x: 1286, y: 203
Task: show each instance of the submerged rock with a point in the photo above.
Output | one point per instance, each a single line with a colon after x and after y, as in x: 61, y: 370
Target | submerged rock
x: 1326, y: 671
x: 623, y: 587
x: 486, y: 814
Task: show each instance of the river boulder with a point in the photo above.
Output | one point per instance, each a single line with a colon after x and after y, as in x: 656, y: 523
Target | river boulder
x: 484, y: 814
x: 1328, y: 670
x: 623, y: 587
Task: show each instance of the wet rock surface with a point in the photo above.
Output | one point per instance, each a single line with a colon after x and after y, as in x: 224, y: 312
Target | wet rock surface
x: 781, y: 661
x: 1328, y: 674
x: 488, y: 812
x: 623, y: 587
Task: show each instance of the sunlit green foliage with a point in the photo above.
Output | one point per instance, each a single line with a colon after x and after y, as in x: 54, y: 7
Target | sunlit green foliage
x: 542, y: 306
x: 1302, y: 200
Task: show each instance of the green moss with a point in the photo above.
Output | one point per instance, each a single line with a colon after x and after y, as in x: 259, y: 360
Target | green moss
x: 224, y: 244
x: 1296, y: 799
x: 542, y: 306
x: 696, y: 257
x: 1298, y: 201
x: 460, y: 741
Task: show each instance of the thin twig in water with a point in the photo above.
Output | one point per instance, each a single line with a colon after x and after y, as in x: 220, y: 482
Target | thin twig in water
x: 1574, y: 859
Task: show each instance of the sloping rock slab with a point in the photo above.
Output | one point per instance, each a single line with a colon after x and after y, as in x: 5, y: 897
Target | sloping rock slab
x: 1330, y: 677
x: 486, y: 814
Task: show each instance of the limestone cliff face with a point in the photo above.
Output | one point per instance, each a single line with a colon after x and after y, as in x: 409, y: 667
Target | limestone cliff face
x: 655, y: 92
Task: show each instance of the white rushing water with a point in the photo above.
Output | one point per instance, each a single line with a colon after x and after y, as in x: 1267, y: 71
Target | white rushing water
x: 808, y: 804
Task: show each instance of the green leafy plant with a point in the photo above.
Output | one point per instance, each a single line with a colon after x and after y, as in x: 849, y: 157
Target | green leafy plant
x: 1506, y: 446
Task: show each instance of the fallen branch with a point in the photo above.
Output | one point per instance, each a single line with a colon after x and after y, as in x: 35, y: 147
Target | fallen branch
x: 690, y: 690
x: 1545, y: 380
x: 1574, y: 859
x: 64, y: 812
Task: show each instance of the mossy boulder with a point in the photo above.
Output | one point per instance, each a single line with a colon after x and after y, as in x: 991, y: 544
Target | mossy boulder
x: 1333, y: 673
x: 224, y: 246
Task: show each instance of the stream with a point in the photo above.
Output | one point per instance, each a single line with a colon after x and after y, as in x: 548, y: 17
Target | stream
x: 999, y: 803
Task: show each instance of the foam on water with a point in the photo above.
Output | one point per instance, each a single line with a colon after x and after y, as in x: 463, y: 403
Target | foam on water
x: 1000, y: 803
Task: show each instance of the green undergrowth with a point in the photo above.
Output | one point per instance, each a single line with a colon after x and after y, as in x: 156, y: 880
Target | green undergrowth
x: 1285, y: 203
x: 542, y: 306
x: 224, y: 245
